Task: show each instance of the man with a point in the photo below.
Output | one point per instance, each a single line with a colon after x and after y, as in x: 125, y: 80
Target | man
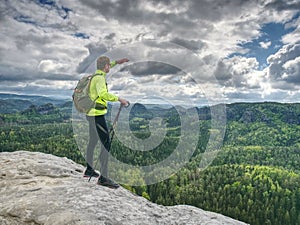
x: 97, y: 124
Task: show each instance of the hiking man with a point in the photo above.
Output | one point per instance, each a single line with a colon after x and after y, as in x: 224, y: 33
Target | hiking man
x: 97, y: 124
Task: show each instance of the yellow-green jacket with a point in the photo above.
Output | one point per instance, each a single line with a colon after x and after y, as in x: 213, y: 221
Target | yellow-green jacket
x: 98, y: 89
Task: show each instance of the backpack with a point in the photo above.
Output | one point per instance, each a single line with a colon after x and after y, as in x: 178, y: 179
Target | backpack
x: 82, y: 101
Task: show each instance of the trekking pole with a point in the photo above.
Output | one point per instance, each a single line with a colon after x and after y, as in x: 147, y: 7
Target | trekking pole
x: 112, y: 130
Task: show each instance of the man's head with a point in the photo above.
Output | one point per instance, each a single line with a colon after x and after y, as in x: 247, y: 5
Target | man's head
x: 103, y: 63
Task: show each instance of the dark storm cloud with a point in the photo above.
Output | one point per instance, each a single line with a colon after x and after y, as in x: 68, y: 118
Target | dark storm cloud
x: 18, y: 74
x: 212, y: 10
x: 123, y: 10
x: 134, y: 12
x: 150, y: 68
x: 189, y: 44
x: 192, y: 19
x: 88, y: 64
x: 221, y: 73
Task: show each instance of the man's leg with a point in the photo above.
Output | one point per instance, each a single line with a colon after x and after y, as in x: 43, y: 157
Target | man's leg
x: 105, y: 139
x: 103, y: 133
x: 93, y: 139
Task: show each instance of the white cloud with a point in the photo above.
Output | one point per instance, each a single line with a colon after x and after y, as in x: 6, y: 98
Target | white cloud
x: 283, y: 71
x: 52, y: 66
x: 165, y: 7
x: 239, y: 71
x: 294, y: 36
x: 292, y: 70
x: 265, y: 45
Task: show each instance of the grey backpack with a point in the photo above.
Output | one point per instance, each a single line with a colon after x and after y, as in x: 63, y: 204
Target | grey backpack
x: 81, y: 99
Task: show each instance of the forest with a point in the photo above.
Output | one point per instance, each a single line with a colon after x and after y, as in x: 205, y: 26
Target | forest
x: 255, y: 177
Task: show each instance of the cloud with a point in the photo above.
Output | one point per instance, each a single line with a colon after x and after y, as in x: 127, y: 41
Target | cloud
x: 193, y: 45
x: 283, y: 5
x: 265, y: 45
x: 292, y: 70
x: 37, y: 43
x: 48, y: 44
x: 150, y: 68
x: 95, y: 50
x: 52, y: 66
x: 294, y: 36
x: 283, y: 71
x: 239, y: 72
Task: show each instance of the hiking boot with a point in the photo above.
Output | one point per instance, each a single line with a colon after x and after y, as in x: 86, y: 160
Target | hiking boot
x: 90, y: 173
x: 107, y: 182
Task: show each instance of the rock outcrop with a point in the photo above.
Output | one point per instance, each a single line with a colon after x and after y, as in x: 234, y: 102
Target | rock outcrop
x: 37, y: 188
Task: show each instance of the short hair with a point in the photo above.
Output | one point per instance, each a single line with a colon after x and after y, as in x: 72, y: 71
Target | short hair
x: 102, y: 61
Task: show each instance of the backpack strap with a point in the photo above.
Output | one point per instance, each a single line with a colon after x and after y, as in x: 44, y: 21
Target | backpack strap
x: 97, y: 105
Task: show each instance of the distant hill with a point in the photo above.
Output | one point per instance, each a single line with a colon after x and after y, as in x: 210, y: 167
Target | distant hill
x: 267, y: 112
x: 12, y: 103
x: 13, y: 106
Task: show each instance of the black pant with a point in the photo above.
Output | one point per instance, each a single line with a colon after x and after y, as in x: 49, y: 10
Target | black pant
x: 98, y: 130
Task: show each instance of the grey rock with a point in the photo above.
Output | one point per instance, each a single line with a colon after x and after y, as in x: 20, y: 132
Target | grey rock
x: 38, y: 188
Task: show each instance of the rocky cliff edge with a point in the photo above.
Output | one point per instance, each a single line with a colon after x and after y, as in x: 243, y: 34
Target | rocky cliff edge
x: 37, y: 188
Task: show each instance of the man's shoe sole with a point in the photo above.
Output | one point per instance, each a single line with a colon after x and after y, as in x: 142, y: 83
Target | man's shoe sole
x: 88, y: 176
x: 107, y: 185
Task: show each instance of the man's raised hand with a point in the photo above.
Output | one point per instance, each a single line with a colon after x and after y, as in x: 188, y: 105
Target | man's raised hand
x: 120, y: 61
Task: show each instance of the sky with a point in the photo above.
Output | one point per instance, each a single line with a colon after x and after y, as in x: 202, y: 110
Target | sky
x: 181, y: 52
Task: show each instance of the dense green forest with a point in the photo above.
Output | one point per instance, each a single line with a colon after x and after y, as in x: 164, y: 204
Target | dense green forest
x: 255, y: 177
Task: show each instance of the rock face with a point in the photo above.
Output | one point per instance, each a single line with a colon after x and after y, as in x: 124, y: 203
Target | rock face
x: 37, y: 188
